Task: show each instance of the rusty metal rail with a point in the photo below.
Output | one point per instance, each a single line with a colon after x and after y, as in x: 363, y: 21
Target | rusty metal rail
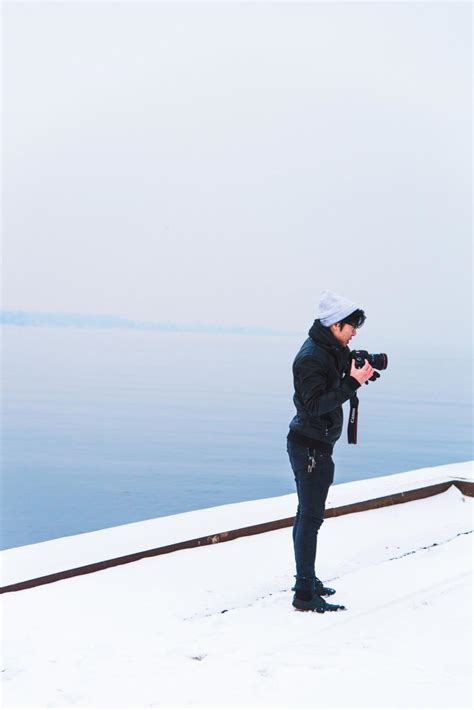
x: 466, y: 487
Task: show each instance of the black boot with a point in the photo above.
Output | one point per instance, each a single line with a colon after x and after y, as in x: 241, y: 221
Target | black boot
x: 320, y: 589
x: 315, y: 603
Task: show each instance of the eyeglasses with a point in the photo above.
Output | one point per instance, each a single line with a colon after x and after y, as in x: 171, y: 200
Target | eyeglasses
x: 357, y: 326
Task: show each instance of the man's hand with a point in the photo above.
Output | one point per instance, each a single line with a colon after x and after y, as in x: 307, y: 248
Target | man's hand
x: 363, y: 374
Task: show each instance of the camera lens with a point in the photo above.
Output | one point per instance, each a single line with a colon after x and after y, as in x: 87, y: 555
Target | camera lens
x: 379, y: 361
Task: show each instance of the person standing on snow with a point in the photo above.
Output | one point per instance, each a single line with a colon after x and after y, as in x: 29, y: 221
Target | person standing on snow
x: 323, y: 381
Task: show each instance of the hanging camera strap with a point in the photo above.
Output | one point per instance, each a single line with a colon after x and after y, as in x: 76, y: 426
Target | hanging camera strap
x: 352, y: 424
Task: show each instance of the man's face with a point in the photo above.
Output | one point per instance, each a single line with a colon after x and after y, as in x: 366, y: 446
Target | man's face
x: 344, y: 335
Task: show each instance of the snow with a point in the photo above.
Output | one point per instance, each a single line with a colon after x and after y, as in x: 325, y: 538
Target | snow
x: 30, y: 561
x: 153, y: 633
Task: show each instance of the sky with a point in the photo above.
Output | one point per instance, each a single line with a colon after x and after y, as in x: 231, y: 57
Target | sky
x: 224, y: 162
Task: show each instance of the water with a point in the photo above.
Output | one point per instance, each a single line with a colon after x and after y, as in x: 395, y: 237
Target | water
x: 105, y: 427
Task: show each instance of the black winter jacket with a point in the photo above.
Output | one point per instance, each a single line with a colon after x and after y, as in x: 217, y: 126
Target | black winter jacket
x: 322, y: 385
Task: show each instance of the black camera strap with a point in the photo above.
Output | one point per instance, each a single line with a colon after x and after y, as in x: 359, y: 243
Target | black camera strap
x: 352, y: 424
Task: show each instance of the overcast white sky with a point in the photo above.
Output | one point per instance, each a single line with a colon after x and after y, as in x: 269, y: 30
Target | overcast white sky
x: 224, y: 162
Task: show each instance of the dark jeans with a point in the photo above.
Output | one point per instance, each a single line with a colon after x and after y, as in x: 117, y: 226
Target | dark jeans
x: 312, y: 489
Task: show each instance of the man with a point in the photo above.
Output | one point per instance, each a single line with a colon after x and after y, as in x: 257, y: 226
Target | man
x: 323, y: 381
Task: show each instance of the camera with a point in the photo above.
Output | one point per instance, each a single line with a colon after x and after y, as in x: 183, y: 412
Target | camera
x: 378, y: 361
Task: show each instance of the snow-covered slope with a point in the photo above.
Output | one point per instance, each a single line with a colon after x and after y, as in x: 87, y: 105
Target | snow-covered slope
x: 30, y: 561
x: 214, y: 626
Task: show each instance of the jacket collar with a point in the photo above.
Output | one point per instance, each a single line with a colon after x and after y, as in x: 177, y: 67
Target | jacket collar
x: 323, y: 336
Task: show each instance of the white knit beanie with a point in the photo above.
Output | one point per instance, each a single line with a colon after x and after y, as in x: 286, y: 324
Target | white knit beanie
x: 334, y: 308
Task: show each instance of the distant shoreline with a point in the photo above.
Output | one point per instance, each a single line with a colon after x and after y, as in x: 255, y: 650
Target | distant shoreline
x: 82, y: 320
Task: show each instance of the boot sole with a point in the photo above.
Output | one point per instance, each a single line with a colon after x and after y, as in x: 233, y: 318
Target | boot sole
x: 320, y: 611
x: 305, y: 611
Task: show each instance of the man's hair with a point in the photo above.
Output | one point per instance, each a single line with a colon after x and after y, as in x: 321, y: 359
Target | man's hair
x: 356, y: 319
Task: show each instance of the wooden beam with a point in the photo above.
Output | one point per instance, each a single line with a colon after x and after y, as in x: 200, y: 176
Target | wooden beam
x: 466, y: 487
